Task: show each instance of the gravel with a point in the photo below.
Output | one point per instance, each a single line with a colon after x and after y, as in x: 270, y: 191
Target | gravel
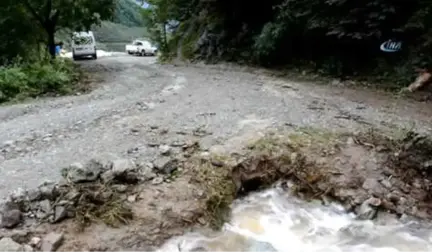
x: 211, y: 103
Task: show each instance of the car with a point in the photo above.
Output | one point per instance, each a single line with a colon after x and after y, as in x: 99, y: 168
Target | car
x: 83, y: 45
x: 141, y: 47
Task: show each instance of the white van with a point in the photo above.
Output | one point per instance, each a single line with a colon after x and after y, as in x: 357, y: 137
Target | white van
x: 83, y: 45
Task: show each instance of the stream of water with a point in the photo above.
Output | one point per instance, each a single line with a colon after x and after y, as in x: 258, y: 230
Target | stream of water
x: 274, y: 221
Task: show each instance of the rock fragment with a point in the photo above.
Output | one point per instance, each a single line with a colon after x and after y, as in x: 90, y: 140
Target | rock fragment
x: 7, y: 244
x: 11, y: 216
x: 52, y: 241
x: 368, y: 209
x: 165, y: 165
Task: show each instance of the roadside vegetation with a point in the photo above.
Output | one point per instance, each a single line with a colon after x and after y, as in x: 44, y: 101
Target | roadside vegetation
x: 335, y: 38
x: 28, y: 66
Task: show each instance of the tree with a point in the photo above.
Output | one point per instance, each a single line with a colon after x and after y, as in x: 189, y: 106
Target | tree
x: 53, y: 15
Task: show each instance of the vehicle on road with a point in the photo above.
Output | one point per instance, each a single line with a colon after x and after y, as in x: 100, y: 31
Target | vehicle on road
x: 141, y: 47
x: 83, y: 45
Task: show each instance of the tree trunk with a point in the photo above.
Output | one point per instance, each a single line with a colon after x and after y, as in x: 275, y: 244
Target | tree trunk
x: 165, y: 41
x: 51, y: 42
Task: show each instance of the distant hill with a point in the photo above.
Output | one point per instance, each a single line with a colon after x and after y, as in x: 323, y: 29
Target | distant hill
x: 128, y: 13
x: 126, y: 25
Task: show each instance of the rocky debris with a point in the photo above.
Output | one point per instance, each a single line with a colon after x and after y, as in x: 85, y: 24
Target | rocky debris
x: 60, y: 213
x: 35, y: 242
x: 368, y: 209
x: 7, y: 244
x: 122, y: 170
x: 165, y: 165
x: 79, y: 173
x: 52, y: 241
x: 11, y: 215
x: 165, y: 150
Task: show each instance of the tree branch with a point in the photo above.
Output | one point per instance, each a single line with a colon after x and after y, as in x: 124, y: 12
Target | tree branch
x: 48, y: 8
x: 34, y: 13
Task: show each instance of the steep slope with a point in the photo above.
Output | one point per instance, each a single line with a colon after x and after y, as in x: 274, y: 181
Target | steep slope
x: 126, y: 25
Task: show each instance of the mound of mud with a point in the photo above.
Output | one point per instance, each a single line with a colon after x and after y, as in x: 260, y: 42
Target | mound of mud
x: 366, y: 172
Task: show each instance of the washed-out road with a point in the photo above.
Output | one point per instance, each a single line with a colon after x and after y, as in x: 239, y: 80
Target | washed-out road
x: 141, y: 104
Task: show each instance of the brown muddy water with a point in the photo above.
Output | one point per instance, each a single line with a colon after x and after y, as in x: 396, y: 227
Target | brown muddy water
x: 271, y: 220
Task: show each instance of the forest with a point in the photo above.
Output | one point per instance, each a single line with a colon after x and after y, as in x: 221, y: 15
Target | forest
x: 340, y: 38
x: 32, y: 28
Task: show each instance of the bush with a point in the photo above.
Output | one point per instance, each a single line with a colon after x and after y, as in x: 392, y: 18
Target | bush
x: 19, y: 81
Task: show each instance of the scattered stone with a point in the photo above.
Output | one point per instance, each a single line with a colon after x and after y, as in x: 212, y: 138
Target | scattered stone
x: 146, y: 172
x: 427, y: 164
x: 157, y: 181
x: 52, y: 241
x: 120, y: 188
x: 34, y: 195
x: 165, y: 165
x: 18, y: 195
x: 121, y: 166
x: 153, y: 144
x: 217, y: 163
x: 78, y: 173
x: 8, y: 143
x: 373, y: 186
x: 7, y: 244
x: 45, y: 206
x: 60, y: 213
x: 132, y: 198
x: 164, y: 131
x: 165, y: 150
x: 48, y: 191
x: 368, y: 209
x: 27, y: 248
x: 19, y: 235
x: 72, y: 195
x: 35, y: 242
x: 135, y: 130
x: 11, y: 218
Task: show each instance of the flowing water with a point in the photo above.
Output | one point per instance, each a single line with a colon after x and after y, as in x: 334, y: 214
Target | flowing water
x: 274, y: 221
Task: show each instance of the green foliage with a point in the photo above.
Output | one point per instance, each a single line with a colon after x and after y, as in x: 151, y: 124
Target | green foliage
x: 337, y: 37
x: 38, y: 21
x: 20, y: 80
x: 114, y: 32
x: 128, y: 13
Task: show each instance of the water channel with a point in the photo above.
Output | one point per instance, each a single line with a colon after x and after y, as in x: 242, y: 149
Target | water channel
x: 272, y: 220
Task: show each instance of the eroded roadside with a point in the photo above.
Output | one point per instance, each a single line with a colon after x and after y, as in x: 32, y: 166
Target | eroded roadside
x: 168, y: 136
x: 121, y: 205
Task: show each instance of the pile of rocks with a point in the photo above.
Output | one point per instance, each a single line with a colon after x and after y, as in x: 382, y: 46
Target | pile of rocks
x: 55, y: 202
x: 50, y: 242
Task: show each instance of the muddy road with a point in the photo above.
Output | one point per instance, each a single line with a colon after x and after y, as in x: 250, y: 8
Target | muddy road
x: 141, y: 104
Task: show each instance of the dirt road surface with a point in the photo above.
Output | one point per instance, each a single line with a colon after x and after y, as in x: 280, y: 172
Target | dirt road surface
x: 141, y: 104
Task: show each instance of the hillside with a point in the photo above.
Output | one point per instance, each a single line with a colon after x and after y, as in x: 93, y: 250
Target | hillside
x: 126, y: 25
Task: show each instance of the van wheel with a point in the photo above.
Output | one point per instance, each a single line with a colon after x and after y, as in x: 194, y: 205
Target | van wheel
x: 94, y: 56
x: 130, y: 53
x: 74, y: 57
x: 143, y: 53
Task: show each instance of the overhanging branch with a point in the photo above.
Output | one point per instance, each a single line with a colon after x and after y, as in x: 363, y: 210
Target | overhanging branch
x: 34, y: 13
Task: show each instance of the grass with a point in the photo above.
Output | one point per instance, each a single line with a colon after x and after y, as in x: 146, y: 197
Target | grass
x: 219, y: 190
x: 98, y: 202
x: 29, y: 80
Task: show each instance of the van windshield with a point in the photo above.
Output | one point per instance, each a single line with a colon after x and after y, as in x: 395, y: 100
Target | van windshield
x: 87, y: 40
